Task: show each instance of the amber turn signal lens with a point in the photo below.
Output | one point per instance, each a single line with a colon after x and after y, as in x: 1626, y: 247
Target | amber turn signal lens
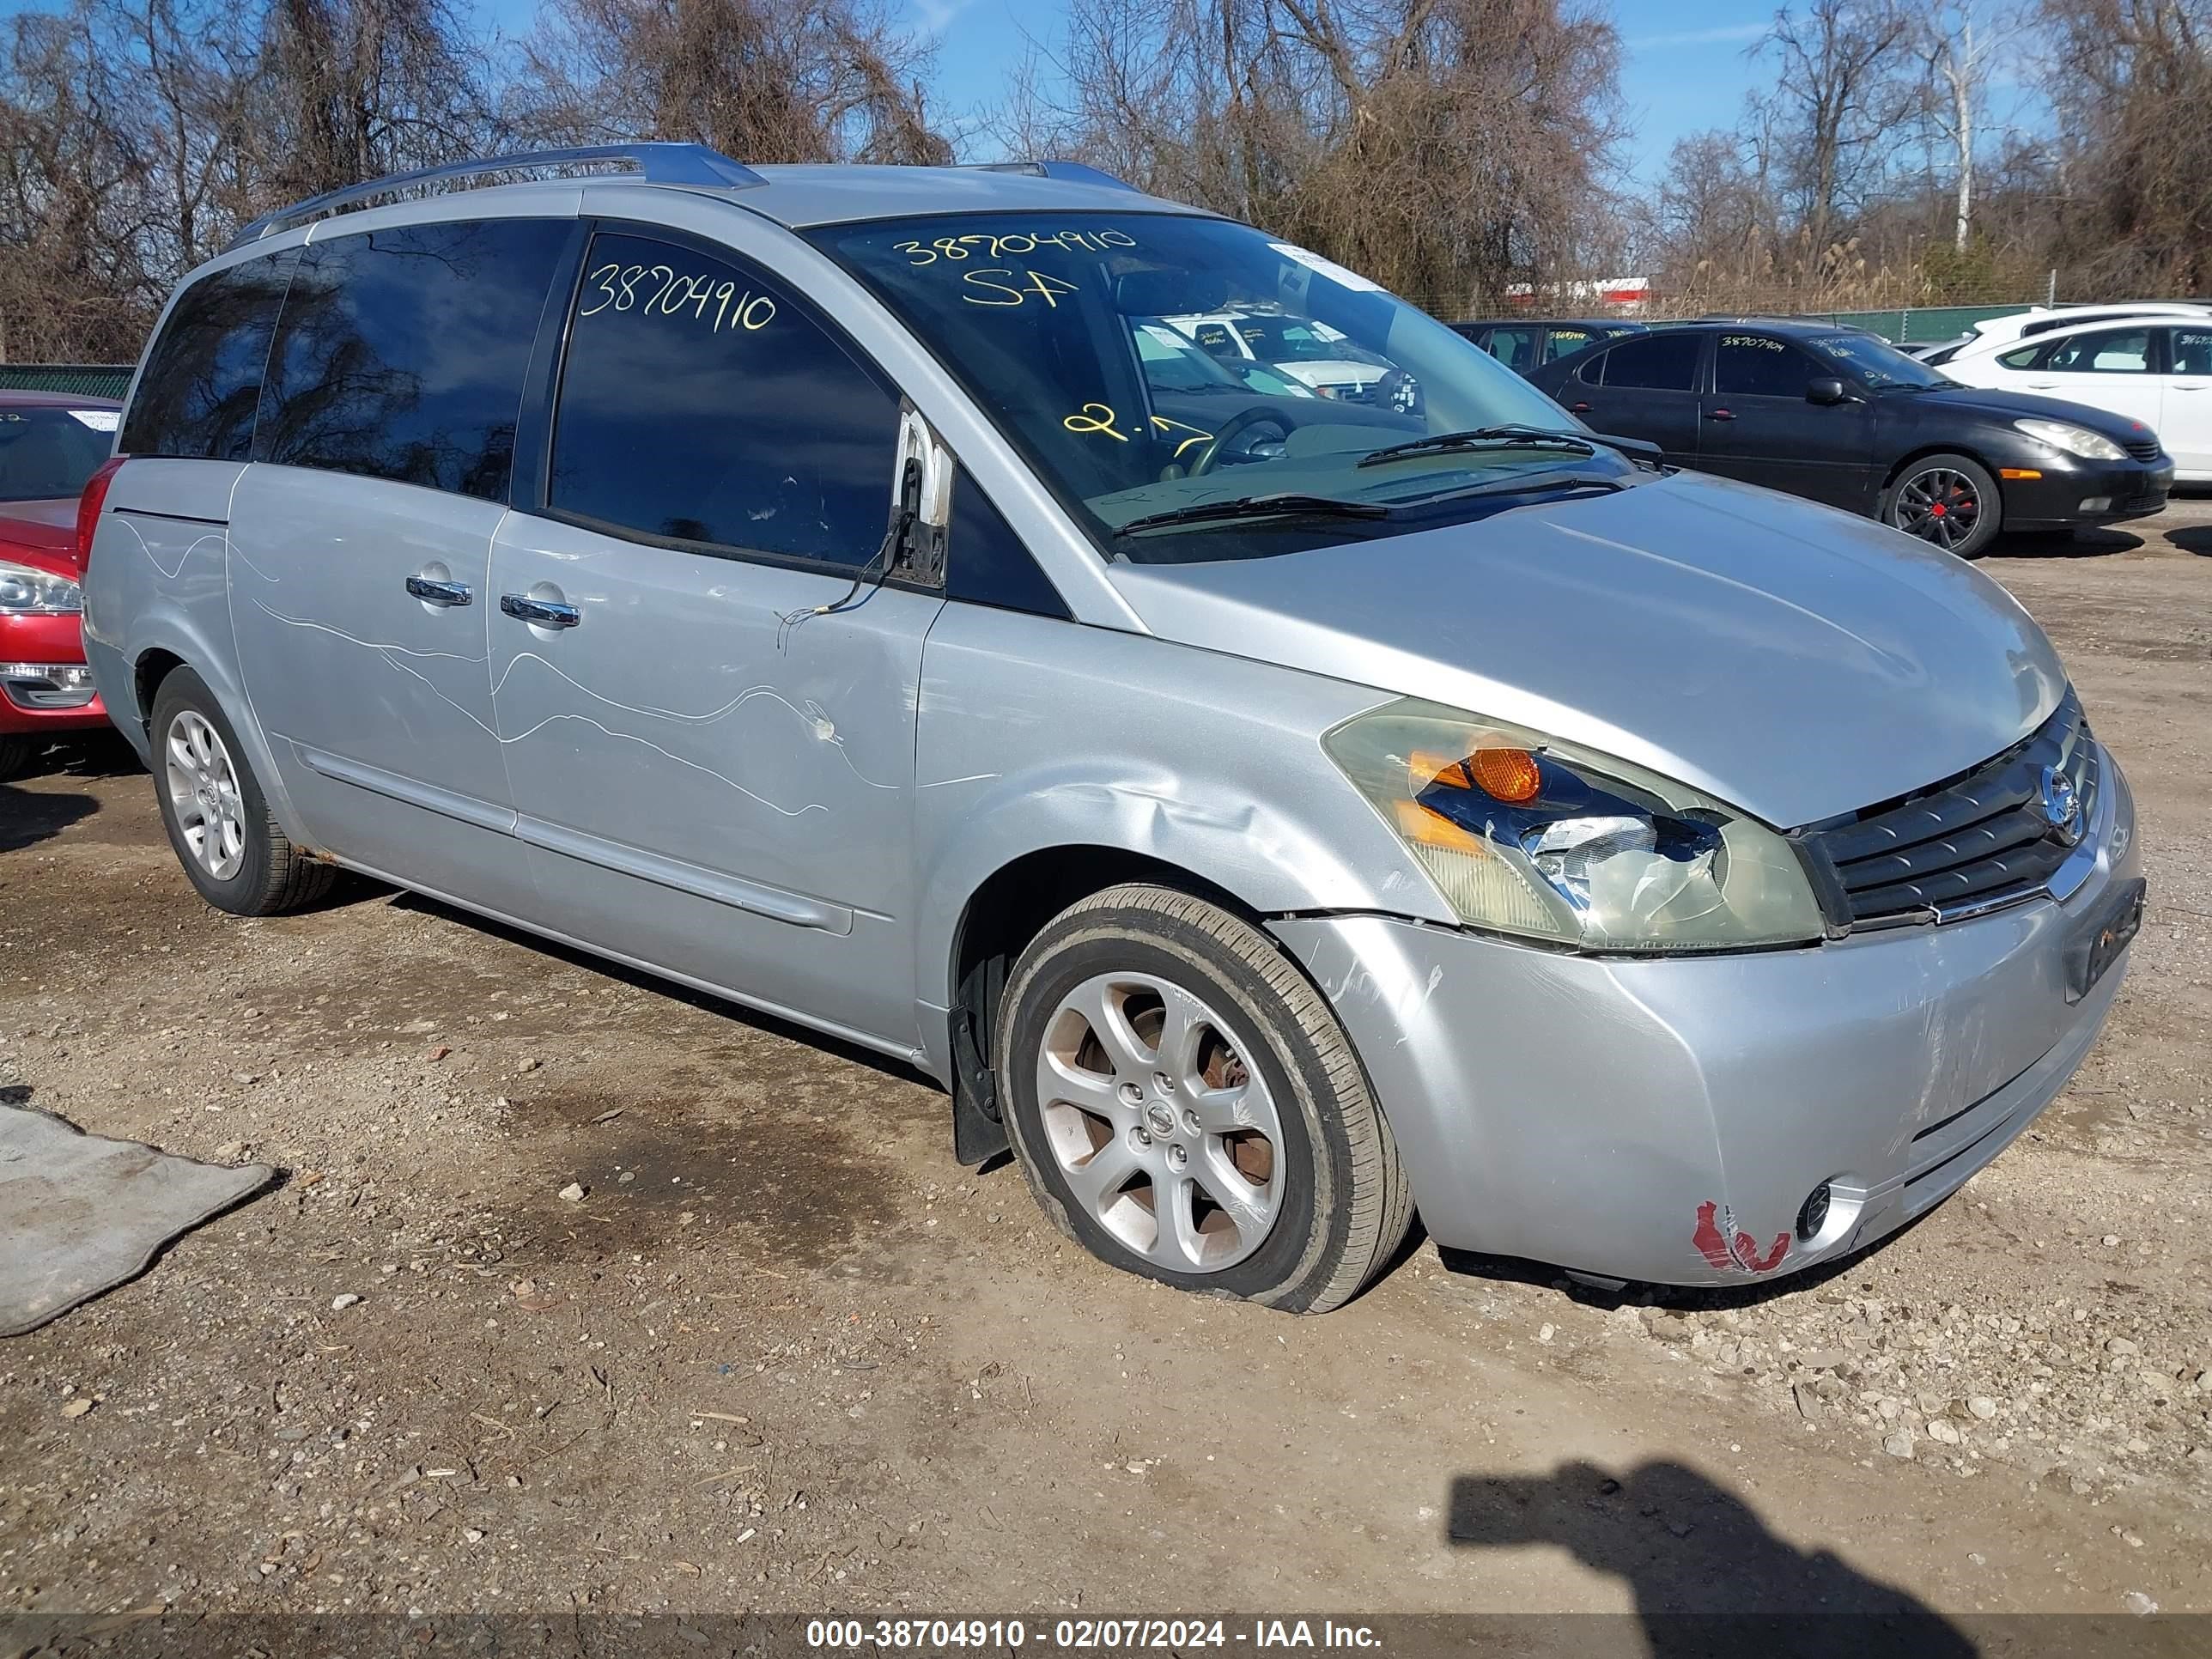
x: 1418, y: 823
x: 1425, y: 767
x: 1506, y: 775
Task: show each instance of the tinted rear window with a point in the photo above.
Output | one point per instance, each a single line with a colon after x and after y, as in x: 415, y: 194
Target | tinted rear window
x: 202, y: 381
x: 49, y: 452
x: 402, y: 353
x: 1657, y: 363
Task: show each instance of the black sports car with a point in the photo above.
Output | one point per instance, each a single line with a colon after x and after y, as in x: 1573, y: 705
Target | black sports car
x: 1840, y: 417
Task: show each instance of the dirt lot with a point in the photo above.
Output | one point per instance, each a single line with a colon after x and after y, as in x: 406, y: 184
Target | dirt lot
x: 785, y: 1354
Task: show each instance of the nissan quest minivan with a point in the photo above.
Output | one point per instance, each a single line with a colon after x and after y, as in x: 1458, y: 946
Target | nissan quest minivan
x: 1272, y: 816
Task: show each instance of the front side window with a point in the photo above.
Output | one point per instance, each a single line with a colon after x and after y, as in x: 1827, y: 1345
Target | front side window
x: 1760, y: 365
x: 1054, y: 322
x: 401, y: 353
x: 701, y: 403
x: 1654, y: 363
x: 196, y: 396
x: 2107, y: 351
x: 47, y: 452
x: 1877, y: 363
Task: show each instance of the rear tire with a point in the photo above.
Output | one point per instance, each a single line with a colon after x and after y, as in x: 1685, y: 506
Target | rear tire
x: 1949, y: 502
x: 1185, y: 1105
x: 231, y: 845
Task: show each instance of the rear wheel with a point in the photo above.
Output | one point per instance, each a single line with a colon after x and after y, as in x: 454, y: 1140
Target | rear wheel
x: 231, y: 845
x: 1185, y: 1105
x: 1949, y: 502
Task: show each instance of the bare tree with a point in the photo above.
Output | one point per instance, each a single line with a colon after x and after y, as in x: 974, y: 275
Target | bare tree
x: 2130, y: 84
x: 1446, y: 147
x: 761, y: 80
x: 1833, y: 106
x: 1954, y: 43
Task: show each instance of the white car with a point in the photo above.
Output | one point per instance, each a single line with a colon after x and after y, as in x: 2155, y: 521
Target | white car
x: 2151, y: 362
x: 1309, y: 352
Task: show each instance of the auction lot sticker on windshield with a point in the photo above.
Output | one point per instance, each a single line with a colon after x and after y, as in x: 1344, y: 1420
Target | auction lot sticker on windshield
x: 1329, y: 268
x: 99, y: 420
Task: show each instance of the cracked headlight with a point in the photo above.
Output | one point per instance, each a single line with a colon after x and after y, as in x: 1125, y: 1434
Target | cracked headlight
x: 1533, y: 837
x: 2074, y: 440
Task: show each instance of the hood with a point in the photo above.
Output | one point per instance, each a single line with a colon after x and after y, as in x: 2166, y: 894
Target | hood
x: 40, y: 533
x: 1788, y: 659
x: 2015, y: 405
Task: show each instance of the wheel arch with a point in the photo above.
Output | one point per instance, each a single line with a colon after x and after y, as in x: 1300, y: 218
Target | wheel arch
x: 154, y: 659
x: 1921, y: 452
x: 1009, y: 908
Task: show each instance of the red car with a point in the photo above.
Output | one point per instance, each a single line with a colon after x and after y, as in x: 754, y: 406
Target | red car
x: 50, y: 443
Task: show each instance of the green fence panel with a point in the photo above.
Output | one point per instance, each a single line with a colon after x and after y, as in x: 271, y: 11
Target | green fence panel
x: 87, y: 379
x: 1924, y: 324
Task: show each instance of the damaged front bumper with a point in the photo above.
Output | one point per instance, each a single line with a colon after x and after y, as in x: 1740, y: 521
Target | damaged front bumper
x: 1708, y: 1120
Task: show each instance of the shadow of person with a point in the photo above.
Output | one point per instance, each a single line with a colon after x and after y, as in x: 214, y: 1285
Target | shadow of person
x: 1710, y: 1580
x: 27, y: 816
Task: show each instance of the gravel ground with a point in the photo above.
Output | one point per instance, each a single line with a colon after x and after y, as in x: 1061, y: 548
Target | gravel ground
x: 584, y: 1294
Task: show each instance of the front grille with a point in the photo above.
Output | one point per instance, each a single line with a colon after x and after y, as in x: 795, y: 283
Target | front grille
x: 2144, y: 449
x: 1977, y: 837
x: 2145, y: 504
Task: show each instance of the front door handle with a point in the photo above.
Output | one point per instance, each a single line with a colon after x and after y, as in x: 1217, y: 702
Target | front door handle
x: 542, y: 613
x: 1718, y: 414
x: 431, y: 590
x: 1577, y: 409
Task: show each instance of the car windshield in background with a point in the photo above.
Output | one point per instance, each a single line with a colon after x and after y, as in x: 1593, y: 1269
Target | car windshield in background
x: 1072, y: 331
x: 1877, y: 362
x: 46, y: 452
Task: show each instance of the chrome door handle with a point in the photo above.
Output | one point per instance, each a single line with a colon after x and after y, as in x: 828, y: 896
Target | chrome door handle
x: 542, y: 613
x: 431, y: 590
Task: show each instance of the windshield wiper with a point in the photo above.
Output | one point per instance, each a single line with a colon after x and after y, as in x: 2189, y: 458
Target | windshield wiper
x: 1520, y: 485
x: 1514, y: 436
x: 1286, y: 503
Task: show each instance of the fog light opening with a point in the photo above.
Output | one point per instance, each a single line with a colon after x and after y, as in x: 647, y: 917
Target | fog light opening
x: 1813, y: 1214
x: 1830, y: 1213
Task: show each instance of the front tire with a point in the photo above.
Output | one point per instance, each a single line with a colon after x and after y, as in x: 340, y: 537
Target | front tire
x: 16, y: 752
x: 220, y: 826
x: 1949, y: 502
x: 1185, y: 1105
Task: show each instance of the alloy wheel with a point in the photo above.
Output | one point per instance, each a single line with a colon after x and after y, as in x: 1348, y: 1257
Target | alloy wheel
x: 204, y: 795
x: 1161, y: 1128
x: 1938, y: 504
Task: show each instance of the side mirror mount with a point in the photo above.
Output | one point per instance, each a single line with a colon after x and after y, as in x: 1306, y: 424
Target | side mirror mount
x: 1826, y: 390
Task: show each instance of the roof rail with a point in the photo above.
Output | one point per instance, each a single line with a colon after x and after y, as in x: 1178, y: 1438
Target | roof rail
x: 1077, y: 173
x: 660, y: 163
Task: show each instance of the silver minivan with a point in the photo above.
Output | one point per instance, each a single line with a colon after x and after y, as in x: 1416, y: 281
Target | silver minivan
x: 1272, y: 815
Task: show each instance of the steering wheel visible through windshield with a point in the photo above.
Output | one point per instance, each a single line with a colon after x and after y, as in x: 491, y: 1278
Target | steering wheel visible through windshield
x: 1072, y: 332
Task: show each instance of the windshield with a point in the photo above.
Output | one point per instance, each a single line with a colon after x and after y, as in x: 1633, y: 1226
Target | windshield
x: 1173, y: 364
x: 1084, y: 335
x: 1878, y: 363
x: 46, y: 452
